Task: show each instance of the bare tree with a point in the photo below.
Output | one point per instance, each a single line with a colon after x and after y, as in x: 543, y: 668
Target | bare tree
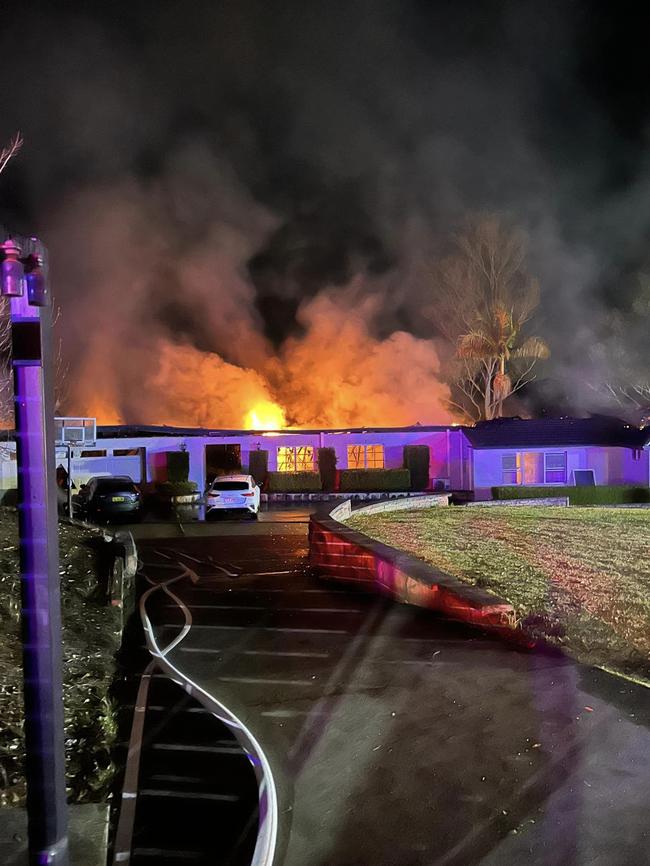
x: 484, y: 298
x: 10, y: 150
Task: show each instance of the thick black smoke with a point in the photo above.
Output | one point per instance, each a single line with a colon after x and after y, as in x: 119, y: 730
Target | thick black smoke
x: 210, y: 176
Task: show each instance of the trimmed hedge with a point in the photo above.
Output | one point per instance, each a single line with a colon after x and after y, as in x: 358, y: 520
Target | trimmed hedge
x: 374, y: 480
x: 604, y: 495
x: 176, y: 488
x: 293, y: 482
x: 327, y: 468
x: 178, y: 466
x: 416, y: 460
x: 258, y: 465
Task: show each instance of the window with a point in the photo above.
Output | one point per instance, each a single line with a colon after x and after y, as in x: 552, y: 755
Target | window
x: 231, y: 485
x: 365, y: 456
x: 115, y: 485
x: 126, y: 452
x: 555, y: 468
x: 299, y: 459
x: 93, y: 453
x: 511, y: 469
x: 532, y: 463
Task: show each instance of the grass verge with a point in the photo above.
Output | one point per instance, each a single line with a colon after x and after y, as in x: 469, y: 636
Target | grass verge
x: 578, y: 577
x: 90, y: 641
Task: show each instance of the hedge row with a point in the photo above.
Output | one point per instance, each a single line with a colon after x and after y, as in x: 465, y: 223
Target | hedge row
x: 605, y: 495
x: 293, y: 482
x: 374, y: 480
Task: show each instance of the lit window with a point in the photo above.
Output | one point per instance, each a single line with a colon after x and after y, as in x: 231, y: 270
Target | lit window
x: 300, y: 459
x: 126, y: 452
x: 365, y: 456
x: 511, y: 469
x: 555, y: 468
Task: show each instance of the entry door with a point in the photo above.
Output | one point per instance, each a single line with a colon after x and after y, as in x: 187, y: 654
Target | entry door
x: 221, y: 460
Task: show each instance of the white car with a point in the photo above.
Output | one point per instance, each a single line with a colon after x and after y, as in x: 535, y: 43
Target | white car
x: 233, y: 492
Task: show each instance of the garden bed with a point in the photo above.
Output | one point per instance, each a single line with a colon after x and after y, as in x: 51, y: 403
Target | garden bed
x: 90, y: 641
x: 577, y: 577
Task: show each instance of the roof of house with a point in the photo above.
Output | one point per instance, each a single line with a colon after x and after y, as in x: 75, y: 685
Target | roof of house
x: 115, y: 431
x: 556, y: 432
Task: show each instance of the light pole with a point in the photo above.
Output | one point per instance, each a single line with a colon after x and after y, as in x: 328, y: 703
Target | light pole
x: 24, y: 282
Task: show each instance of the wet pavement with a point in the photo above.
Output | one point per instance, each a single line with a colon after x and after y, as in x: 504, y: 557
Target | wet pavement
x: 395, y: 737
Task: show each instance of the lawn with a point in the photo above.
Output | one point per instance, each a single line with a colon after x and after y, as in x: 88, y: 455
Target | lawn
x: 580, y: 577
x: 90, y: 640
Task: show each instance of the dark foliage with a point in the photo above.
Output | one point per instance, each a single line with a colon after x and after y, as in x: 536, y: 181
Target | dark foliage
x: 416, y: 460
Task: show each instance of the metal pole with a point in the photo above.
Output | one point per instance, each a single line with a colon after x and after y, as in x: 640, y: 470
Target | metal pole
x: 69, y: 481
x: 39, y: 565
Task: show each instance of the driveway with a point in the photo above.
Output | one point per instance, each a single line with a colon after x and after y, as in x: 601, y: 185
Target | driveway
x: 394, y: 737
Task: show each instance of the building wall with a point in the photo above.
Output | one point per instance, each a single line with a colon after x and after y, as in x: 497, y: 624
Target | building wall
x: 452, y: 459
x: 610, y: 465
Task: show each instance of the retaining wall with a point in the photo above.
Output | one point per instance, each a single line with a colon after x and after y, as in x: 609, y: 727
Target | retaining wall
x: 338, y: 552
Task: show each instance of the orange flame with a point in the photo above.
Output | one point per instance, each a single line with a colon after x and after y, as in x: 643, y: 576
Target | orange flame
x: 265, y: 416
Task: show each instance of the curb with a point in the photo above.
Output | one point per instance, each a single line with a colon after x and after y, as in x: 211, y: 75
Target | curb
x: 338, y: 552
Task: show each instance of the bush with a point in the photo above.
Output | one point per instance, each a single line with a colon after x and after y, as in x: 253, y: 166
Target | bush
x: 178, y: 466
x: 176, y: 488
x: 416, y: 460
x: 604, y: 495
x: 258, y: 465
x: 327, y: 468
x: 293, y: 482
x: 374, y: 480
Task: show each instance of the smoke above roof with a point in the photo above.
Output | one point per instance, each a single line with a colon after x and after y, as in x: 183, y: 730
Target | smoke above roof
x: 243, y: 202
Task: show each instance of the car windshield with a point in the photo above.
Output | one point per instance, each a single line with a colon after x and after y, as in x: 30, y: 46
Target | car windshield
x: 231, y: 485
x: 115, y: 485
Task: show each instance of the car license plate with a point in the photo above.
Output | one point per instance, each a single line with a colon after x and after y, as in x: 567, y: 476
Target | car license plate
x: 119, y: 499
x: 230, y: 499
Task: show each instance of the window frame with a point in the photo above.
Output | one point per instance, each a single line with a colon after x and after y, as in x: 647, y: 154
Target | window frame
x: 516, y: 471
x: 563, y: 470
x: 301, y: 458
x: 364, y: 462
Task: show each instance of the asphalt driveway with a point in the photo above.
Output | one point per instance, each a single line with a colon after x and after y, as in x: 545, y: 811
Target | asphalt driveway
x: 395, y: 737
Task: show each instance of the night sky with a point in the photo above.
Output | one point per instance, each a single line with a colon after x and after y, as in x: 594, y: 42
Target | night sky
x: 206, y: 173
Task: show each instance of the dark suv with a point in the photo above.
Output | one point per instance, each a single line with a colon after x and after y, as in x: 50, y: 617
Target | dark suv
x: 107, y: 497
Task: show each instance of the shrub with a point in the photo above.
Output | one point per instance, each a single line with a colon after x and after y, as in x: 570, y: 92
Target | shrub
x: 375, y: 480
x: 327, y: 468
x: 258, y: 465
x: 416, y: 460
x: 293, y: 482
x: 178, y: 466
x: 604, y: 495
x: 176, y: 488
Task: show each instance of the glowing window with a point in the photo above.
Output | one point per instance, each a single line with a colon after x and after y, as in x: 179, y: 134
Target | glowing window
x: 555, y: 468
x: 365, y: 456
x: 511, y: 469
x: 300, y: 459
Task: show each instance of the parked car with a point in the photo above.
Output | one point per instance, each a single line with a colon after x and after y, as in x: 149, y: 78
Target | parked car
x: 109, y: 496
x: 232, y: 493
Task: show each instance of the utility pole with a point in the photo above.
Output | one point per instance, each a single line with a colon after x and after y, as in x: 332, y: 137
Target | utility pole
x: 24, y: 282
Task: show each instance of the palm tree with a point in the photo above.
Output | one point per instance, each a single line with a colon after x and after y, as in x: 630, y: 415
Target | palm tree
x: 488, y: 350
x: 484, y: 297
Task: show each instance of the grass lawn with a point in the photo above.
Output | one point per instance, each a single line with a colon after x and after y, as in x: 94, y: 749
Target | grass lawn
x: 90, y: 642
x: 579, y: 577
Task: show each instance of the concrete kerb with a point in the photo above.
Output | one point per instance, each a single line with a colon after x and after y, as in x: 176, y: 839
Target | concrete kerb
x: 336, y: 551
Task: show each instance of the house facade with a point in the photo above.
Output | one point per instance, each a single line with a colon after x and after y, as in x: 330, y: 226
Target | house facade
x: 510, y: 451
x: 556, y: 452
